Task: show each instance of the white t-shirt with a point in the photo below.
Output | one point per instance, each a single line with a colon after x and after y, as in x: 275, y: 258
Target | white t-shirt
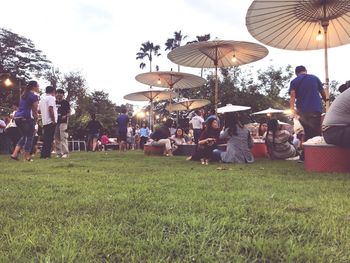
x: 46, y: 101
x: 2, y: 124
x: 197, y: 122
x: 129, y: 132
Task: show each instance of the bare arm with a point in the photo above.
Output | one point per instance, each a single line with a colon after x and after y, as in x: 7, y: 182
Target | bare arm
x: 324, y: 95
x: 35, y: 110
x: 52, y: 114
x: 292, y: 100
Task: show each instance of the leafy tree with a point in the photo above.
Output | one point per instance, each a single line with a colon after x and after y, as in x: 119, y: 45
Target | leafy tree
x: 75, y: 86
x: 275, y: 82
x: 148, y: 50
x: 19, y: 58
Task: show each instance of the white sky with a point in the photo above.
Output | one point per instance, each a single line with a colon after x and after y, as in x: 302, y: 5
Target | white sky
x: 100, y: 38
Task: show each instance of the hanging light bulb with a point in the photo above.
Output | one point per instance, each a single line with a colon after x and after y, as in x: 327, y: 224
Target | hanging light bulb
x: 159, y: 82
x: 8, y: 82
x: 234, y: 59
x: 319, y: 36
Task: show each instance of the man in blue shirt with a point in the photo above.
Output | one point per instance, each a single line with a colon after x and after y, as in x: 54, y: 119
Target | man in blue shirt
x: 122, y: 122
x: 305, y: 91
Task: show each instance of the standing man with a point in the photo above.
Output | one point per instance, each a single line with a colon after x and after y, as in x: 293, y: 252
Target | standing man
x: 61, y: 133
x: 305, y: 91
x: 122, y: 122
x: 197, y: 125
x: 48, y: 110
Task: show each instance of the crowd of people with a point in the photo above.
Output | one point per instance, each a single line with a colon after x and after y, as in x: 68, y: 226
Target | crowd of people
x: 206, y: 131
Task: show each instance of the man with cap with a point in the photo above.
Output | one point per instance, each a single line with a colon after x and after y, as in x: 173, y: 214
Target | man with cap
x: 305, y: 91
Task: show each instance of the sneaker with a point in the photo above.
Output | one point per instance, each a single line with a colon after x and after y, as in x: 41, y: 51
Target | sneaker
x: 64, y: 156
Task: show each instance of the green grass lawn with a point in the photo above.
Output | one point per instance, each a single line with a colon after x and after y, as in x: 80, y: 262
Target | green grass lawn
x: 112, y: 207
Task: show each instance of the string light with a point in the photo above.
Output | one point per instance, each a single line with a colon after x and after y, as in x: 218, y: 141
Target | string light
x: 159, y: 82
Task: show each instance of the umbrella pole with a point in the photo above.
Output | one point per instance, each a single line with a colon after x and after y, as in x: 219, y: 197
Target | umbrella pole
x: 325, y: 27
x: 216, y: 80
x: 151, y: 116
x: 216, y: 89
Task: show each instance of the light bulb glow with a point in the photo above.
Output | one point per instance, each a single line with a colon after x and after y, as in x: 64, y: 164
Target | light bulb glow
x: 159, y: 82
x: 8, y: 82
x: 319, y: 36
x: 234, y: 59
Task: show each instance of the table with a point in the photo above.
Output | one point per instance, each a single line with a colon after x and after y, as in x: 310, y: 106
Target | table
x: 185, y: 149
x: 259, y: 149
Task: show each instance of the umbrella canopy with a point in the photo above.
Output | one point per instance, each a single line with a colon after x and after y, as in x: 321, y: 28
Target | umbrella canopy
x: 268, y: 111
x: 150, y: 95
x: 217, y: 53
x: 296, y: 24
x: 170, y: 79
x: 232, y: 108
x: 187, y: 105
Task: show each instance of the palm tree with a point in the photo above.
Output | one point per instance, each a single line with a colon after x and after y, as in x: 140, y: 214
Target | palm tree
x: 172, y: 43
x: 202, y: 38
x: 148, y: 49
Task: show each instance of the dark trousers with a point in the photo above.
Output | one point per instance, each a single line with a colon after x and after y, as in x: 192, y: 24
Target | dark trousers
x: 14, y: 134
x: 48, y: 135
x: 338, y: 135
x: 196, y: 135
x: 311, y: 122
x: 143, y: 141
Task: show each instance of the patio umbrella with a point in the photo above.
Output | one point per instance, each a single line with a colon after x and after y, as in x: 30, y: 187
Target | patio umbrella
x: 295, y: 25
x: 170, y: 79
x: 187, y: 105
x: 150, y: 95
x: 232, y: 108
x: 268, y: 111
x: 217, y: 53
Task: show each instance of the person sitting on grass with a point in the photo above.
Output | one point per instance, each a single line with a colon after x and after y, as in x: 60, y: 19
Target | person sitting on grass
x: 279, y: 142
x: 207, y: 142
x: 161, y: 136
x: 178, y: 138
x: 262, y: 130
x: 239, y: 141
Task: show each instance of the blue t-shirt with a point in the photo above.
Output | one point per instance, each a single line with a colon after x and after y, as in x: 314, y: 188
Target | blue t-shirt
x: 122, y: 122
x: 307, y: 93
x: 25, y: 106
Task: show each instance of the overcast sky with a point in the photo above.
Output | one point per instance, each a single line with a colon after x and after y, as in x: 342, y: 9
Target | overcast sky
x: 100, y: 38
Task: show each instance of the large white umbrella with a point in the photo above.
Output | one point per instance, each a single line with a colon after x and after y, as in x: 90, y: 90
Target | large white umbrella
x: 232, y: 108
x: 170, y: 79
x: 297, y: 24
x: 268, y: 111
x: 187, y: 105
x: 217, y: 53
x: 150, y: 95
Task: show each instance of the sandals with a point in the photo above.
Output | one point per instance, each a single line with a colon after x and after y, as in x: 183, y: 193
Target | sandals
x: 14, y: 158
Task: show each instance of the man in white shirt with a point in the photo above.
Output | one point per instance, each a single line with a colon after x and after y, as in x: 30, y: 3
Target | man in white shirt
x: 197, y: 125
x: 48, y: 110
